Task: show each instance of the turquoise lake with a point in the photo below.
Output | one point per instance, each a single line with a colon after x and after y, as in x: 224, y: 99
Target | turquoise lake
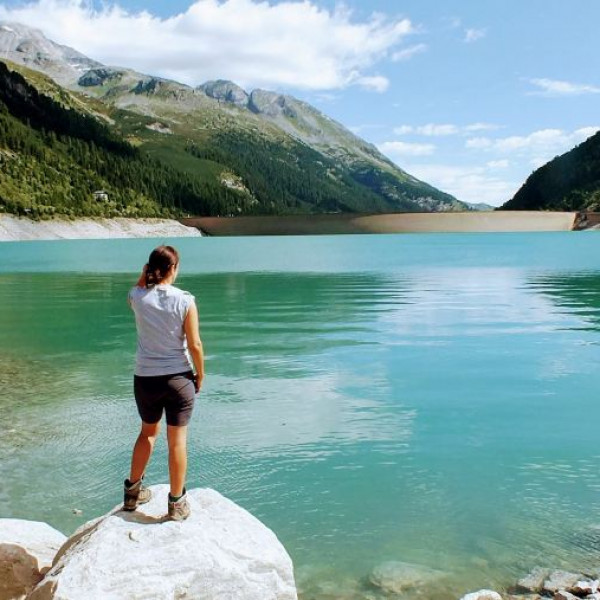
x: 424, y: 398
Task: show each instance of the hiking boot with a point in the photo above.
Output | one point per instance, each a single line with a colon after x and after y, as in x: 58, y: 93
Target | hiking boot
x: 179, y: 510
x: 134, y: 494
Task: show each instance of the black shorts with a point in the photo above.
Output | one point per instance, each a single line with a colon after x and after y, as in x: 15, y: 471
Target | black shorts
x: 174, y: 394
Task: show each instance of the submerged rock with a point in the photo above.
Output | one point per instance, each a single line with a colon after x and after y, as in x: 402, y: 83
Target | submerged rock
x: 26, y: 552
x: 482, y: 595
x: 534, y: 581
x: 396, y: 577
x: 221, y: 552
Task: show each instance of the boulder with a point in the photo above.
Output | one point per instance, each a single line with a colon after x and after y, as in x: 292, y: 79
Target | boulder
x: 585, y: 588
x: 395, y: 577
x: 482, y: 595
x: 561, y: 580
x: 26, y: 552
x: 534, y: 581
x: 221, y: 552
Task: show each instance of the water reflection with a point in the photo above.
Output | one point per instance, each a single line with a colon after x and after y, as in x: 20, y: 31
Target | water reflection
x: 445, y: 417
x: 576, y: 295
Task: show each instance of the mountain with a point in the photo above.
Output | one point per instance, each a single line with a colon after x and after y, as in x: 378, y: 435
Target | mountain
x: 568, y: 182
x: 480, y: 206
x: 273, y: 152
x: 56, y: 159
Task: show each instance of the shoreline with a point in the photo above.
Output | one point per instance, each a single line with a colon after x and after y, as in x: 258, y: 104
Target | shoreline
x: 17, y: 229
x: 13, y: 228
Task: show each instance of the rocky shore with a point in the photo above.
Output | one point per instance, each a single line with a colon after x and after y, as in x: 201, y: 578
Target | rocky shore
x: 542, y: 583
x: 221, y: 552
x: 14, y: 229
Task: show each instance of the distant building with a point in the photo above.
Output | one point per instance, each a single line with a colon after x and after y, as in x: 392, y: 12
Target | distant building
x: 101, y: 196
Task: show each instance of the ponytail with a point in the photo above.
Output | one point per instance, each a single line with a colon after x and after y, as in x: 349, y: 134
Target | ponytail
x: 160, y: 261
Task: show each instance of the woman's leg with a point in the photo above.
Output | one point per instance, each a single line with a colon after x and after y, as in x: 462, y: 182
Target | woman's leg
x: 143, y: 450
x: 177, y: 439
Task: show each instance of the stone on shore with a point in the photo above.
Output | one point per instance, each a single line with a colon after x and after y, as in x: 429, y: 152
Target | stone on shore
x: 561, y: 580
x: 26, y: 552
x: 395, y: 577
x: 482, y: 595
x: 534, y: 581
x: 221, y: 552
x: 585, y: 588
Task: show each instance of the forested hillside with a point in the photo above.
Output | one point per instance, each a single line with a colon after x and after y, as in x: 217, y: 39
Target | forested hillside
x: 54, y: 158
x: 215, y: 148
x: 569, y: 182
x: 55, y: 155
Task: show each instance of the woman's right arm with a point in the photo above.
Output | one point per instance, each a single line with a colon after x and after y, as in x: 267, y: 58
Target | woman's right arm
x: 192, y: 335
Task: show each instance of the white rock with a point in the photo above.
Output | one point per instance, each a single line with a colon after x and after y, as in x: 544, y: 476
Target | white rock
x: 482, y: 595
x: 395, y: 577
x: 534, y: 581
x: 221, y: 552
x: 26, y: 552
x: 561, y: 580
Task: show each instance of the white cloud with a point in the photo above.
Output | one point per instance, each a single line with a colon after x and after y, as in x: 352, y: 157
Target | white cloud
x: 479, y: 143
x: 443, y: 129
x: 498, y: 164
x: 403, y: 129
x: 553, y: 87
x: 376, y: 83
x: 469, y: 183
x: 254, y: 43
x: 541, y: 145
x: 472, y: 35
x: 393, y: 149
x: 475, y: 127
x: 408, y: 53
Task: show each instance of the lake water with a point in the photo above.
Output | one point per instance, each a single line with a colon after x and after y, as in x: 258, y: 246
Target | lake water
x: 430, y: 399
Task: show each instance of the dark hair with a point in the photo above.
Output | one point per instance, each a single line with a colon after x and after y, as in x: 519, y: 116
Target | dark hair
x: 160, y: 261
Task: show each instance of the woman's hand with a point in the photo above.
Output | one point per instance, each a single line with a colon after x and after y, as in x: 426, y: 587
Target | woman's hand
x: 141, y: 282
x: 198, y: 382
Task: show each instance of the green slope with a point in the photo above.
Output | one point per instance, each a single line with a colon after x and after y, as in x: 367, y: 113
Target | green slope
x: 569, y: 182
x: 53, y: 158
x: 58, y: 147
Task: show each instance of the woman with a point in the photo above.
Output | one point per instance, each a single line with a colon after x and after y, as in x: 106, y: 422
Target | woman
x: 167, y: 329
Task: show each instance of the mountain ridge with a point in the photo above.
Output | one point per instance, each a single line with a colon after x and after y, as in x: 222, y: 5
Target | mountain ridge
x: 220, y: 112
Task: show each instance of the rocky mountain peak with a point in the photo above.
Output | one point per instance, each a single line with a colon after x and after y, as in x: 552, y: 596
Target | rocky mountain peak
x: 99, y: 77
x: 271, y: 104
x: 31, y: 48
x: 151, y: 85
x: 225, y: 91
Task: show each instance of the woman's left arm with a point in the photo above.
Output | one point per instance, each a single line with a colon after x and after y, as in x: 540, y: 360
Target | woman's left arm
x: 192, y: 334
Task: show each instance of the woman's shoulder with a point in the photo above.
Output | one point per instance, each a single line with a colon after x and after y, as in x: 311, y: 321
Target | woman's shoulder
x: 178, y: 292
x: 136, y: 291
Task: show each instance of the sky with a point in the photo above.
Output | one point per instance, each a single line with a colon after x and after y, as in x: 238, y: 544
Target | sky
x: 468, y: 95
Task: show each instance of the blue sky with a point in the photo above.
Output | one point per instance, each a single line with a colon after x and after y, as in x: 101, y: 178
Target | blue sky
x: 468, y: 95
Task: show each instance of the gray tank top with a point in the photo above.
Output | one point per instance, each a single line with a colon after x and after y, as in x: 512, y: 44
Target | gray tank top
x: 159, y: 315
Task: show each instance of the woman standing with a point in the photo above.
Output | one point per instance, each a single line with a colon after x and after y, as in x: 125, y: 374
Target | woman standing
x: 168, y: 345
